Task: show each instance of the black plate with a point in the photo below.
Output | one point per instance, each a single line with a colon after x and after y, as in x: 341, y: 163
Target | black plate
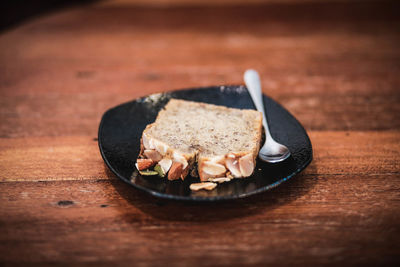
x: 121, y: 128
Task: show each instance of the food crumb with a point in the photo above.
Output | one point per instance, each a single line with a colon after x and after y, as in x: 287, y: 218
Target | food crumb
x: 199, y: 186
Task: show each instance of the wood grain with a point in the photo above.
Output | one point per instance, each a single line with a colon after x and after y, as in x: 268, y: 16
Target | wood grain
x: 314, y: 219
x: 334, y: 65
x: 78, y: 157
x: 341, y: 75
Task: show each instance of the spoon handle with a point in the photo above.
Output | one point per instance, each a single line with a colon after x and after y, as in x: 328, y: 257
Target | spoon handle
x: 253, y: 84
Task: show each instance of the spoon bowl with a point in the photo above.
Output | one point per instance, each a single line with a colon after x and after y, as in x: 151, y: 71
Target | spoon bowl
x: 271, y: 151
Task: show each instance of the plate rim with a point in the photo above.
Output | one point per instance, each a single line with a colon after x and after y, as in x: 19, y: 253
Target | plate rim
x: 194, y: 198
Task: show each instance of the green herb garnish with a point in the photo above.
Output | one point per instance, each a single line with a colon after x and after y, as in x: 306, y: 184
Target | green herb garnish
x: 159, y: 170
x: 148, y: 172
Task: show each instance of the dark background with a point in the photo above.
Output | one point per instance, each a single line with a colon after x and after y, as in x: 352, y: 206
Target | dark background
x: 15, y: 12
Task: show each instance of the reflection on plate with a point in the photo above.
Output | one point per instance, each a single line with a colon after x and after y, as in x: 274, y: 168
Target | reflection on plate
x: 121, y: 128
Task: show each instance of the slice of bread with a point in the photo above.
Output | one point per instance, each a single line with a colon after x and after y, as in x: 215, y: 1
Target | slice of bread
x: 213, y: 141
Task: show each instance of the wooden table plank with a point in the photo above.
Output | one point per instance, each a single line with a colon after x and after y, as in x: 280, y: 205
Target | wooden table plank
x: 314, y: 219
x: 78, y: 158
x: 50, y: 158
x: 45, y: 114
x: 341, y: 75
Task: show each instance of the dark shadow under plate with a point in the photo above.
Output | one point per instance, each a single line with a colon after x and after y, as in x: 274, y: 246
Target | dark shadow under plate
x: 121, y: 128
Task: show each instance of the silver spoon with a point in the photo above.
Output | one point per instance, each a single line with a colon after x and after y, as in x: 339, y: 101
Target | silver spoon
x: 271, y: 151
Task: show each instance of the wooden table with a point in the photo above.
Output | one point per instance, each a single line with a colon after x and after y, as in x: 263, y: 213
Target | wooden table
x: 335, y: 66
